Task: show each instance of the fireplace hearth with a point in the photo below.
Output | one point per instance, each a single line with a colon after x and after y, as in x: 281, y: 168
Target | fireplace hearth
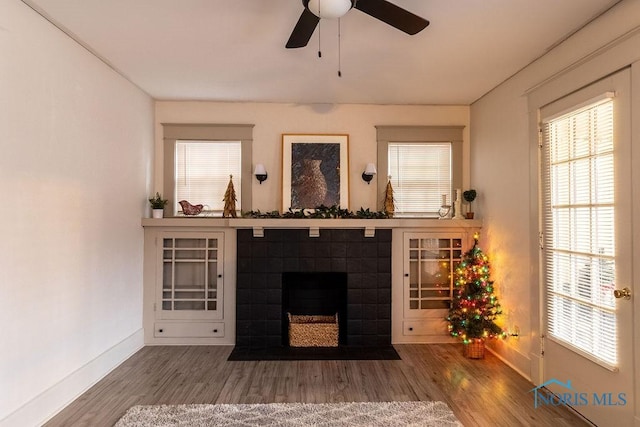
x: 267, y: 267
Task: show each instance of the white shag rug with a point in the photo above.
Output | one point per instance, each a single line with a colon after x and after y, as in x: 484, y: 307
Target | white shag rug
x: 370, y: 414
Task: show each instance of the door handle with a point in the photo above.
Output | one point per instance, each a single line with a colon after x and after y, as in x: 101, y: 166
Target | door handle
x: 622, y: 293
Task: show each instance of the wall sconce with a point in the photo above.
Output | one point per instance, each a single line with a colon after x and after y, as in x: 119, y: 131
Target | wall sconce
x: 368, y: 173
x: 260, y: 172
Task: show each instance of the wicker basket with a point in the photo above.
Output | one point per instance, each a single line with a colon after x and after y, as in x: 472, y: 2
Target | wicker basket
x: 313, y: 331
x: 474, y: 349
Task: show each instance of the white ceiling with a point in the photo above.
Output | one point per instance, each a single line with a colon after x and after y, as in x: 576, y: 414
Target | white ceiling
x: 233, y: 50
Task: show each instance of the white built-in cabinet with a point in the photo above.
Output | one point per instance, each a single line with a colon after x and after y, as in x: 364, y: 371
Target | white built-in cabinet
x: 186, y: 287
x: 429, y: 263
x: 423, y: 282
x: 190, y: 274
x: 190, y: 285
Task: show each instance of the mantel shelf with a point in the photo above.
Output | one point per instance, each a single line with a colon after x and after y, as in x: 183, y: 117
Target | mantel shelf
x: 313, y: 225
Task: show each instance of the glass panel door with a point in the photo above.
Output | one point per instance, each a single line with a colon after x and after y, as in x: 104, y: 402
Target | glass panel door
x: 586, y: 219
x: 191, y: 277
x: 430, y: 261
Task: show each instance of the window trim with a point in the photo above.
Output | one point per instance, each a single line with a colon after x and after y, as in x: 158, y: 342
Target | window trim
x: 173, y: 132
x: 418, y: 134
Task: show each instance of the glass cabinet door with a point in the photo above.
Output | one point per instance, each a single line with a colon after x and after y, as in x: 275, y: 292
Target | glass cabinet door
x: 430, y: 260
x: 191, y: 277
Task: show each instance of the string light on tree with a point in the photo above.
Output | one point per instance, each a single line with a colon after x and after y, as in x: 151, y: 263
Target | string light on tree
x: 474, y: 307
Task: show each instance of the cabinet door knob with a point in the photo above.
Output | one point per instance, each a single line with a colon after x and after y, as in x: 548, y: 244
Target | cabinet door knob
x: 219, y: 275
x: 411, y: 329
x: 215, y: 331
x: 160, y: 330
x: 406, y: 274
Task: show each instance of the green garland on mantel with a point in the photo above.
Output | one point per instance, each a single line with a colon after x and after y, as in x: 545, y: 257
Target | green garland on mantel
x: 320, y: 212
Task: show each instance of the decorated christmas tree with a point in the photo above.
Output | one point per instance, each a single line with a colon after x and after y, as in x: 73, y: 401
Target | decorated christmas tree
x: 229, y: 199
x: 474, y: 307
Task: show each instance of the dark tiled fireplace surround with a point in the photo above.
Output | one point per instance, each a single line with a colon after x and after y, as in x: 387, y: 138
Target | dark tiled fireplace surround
x: 263, y: 260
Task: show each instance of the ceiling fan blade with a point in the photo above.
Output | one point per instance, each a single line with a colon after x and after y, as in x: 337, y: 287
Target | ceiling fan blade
x: 303, y: 30
x: 393, y: 15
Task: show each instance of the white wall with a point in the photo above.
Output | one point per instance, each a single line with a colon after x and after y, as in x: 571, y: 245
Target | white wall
x: 272, y: 120
x: 76, y: 142
x: 504, y: 165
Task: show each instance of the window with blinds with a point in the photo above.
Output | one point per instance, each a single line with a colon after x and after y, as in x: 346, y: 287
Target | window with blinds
x: 579, y: 263
x: 202, y: 170
x: 420, y: 174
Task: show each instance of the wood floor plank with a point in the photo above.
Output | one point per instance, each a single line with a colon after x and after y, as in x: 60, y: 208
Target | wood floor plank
x: 480, y: 392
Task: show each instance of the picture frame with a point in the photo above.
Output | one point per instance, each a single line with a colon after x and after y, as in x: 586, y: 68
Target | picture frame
x: 315, y: 171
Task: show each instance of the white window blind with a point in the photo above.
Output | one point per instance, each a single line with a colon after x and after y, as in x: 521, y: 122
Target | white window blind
x: 578, y: 185
x: 420, y: 175
x: 202, y: 170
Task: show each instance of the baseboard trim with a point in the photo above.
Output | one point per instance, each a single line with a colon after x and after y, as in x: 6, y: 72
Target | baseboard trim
x: 51, y: 401
x: 508, y: 363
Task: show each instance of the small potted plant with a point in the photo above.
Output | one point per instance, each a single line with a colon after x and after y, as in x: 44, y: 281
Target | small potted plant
x: 157, y: 205
x: 469, y: 196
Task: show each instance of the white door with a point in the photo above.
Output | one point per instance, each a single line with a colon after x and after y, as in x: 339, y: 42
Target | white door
x: 587, y: 246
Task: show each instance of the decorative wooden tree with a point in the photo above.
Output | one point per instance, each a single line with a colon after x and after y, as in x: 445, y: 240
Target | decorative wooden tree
x: 230, y: 200
x: 389, y: 206
x: 474, y: 307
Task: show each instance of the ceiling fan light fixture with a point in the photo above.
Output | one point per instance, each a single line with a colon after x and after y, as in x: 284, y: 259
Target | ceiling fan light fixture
x: 382, y: 10
x: 329, y: 8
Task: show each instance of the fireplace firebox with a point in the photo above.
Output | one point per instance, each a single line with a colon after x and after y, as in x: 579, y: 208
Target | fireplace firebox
x: 314, y: 294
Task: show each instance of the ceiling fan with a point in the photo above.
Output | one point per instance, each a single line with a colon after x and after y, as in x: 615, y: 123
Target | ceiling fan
x: 383, y: 10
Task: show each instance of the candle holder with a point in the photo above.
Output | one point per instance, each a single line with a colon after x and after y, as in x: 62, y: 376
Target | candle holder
x: 457, y: 205
x: 444, y: 211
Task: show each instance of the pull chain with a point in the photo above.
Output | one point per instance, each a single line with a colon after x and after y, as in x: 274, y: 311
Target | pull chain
x: 339, y: 50
x: 319, y: 27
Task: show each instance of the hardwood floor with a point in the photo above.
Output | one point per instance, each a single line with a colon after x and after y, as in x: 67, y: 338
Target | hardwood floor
x: 480, y: 392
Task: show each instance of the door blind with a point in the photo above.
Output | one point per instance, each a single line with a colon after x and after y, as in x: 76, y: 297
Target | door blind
x: 579, y: 251
x: 420, y: 175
